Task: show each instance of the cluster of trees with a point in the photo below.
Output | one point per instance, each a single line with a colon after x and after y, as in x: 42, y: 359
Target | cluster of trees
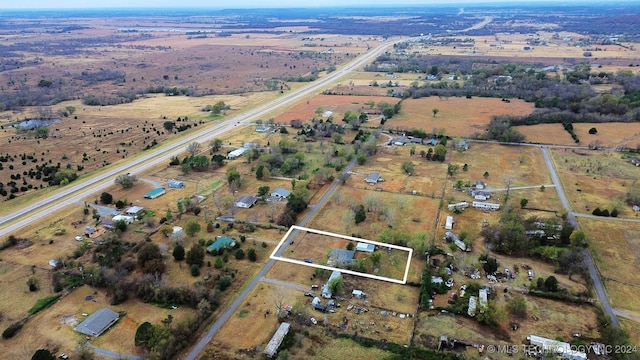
x: 557, y: 243
x: 604, y: 212
x: 516, y: 235
x: 217, y: 108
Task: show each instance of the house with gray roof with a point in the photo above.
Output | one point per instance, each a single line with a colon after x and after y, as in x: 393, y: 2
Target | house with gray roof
x: 280, y: 192
x: 245, y: 201
x: 373, y: 178
x: 98, y: 322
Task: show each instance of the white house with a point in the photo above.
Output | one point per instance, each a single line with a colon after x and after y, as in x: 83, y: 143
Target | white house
x: 236, y: 153
x: 127, y: 219
x: 449, y: 223
x: 458, y: 206
x: 472, y: 306
x: 135, y: 211
x: 326, y: 292
x: 485, y: 205
x: 245, y: 201
x: 280, y: 192
x: 456, y: 240
x: 560, y: 348
x: 482, y: 297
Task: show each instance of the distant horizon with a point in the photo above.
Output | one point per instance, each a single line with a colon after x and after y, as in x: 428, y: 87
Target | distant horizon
x: 259, y: 4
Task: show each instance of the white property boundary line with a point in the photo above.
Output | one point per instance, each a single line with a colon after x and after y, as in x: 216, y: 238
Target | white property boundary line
x: 314, y: 231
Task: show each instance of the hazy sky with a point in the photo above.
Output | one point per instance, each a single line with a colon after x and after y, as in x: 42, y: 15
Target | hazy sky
x: 59, y: 4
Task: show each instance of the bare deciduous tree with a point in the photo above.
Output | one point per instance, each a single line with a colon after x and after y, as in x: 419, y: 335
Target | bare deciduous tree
x: 194, y: 148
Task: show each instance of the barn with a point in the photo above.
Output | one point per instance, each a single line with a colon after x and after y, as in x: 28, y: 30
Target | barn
x: 155, y: 193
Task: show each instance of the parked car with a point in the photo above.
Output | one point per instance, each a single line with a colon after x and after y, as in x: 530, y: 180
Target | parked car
x: 309, y: 294
x: 308, y: 261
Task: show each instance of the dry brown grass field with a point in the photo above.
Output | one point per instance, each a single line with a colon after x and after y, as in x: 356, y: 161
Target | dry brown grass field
x: 457, y: 116
x: 610, y: 135
x: 238, y: 64
x: 512, y: 46
x: 615, y: 246
x: 523, y: 165
x: 594, y: 179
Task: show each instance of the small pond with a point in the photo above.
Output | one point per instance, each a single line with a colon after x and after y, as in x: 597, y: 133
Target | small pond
x: 35, y: 123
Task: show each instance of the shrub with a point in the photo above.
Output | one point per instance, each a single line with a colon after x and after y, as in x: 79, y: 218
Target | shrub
x: 195, y: 270
x: 12, y: 330
x: 43, y: 303
x: 178, y: 252
x: 252, y: 255
x: 224, y: 282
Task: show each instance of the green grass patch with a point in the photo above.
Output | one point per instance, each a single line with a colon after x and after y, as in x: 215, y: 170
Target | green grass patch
x: 243, y: 313
x: 43, y: 303
x: 214, y: 185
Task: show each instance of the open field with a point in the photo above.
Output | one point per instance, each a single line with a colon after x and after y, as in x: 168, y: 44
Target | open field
x: 616, y: 249
x: 594, y: 179
x: 610, y: 135
x: 456, y: 116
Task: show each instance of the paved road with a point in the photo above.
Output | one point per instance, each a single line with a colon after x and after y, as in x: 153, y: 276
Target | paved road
x: 598, y: 286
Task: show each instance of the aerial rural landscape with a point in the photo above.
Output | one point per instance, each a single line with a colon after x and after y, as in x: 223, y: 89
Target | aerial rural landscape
x: 445, y: 181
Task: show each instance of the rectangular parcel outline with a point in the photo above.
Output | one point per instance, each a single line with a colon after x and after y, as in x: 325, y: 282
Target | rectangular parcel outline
x: 293, y: 228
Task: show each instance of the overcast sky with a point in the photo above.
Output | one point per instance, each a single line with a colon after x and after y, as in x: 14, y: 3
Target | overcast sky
x: 77, y: 4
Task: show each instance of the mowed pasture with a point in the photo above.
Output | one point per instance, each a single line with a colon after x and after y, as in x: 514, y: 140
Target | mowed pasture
x: 456, y: 116
x: 615, y: 246
x: 594, y: 179
x: 609, y: 135
x: 522, y: 165
x: 555, y: 51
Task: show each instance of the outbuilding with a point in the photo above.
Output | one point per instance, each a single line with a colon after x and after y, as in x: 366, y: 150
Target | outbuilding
x: 366, y: 247
x: 175, y: 184
x: 155, y: 193
x: 276, y: 340
x: 449, y: 223
x: 236, y: 153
